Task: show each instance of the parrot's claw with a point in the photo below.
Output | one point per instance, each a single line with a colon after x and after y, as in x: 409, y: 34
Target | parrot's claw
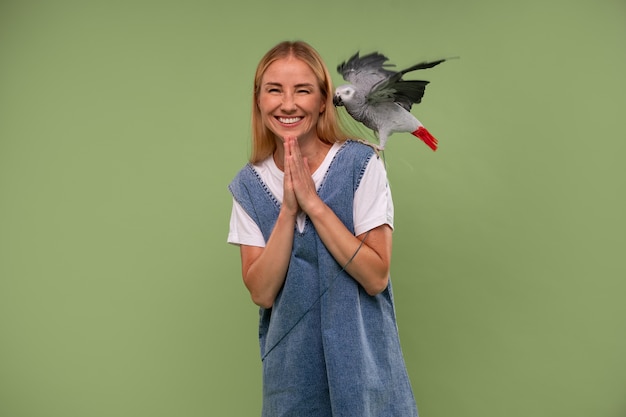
x: 377, y: 148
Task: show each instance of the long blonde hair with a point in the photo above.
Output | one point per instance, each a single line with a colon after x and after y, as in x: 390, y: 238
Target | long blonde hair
x: 328, y: 126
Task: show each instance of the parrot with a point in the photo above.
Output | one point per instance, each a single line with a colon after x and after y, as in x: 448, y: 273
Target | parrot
x: 380, y: 98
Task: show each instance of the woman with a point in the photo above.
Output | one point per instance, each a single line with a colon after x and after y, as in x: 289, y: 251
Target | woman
x: 313, y: 216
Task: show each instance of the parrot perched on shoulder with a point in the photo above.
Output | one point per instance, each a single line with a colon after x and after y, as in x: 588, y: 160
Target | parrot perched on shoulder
x: 380, y: 99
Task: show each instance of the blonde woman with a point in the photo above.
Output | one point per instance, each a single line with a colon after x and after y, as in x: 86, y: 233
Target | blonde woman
x: 313, y: 217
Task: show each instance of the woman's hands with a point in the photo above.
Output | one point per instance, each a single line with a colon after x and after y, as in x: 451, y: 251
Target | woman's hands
x: 299, y: 188
x: 290, y: 202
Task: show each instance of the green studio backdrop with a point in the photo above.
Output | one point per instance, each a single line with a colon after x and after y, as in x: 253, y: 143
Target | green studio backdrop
x: 122, y: 122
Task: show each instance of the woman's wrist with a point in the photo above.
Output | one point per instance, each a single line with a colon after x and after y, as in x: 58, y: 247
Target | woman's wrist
x: 287, y: 214
x: 316, y: 209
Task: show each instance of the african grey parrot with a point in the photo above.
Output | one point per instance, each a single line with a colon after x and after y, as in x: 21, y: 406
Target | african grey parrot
x: 380, y: 98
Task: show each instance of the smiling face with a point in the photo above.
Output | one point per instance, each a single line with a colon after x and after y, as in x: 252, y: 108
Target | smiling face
x: 290, y: 100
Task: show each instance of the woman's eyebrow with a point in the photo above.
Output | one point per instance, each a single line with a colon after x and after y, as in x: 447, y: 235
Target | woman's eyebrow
x: 277, y: 84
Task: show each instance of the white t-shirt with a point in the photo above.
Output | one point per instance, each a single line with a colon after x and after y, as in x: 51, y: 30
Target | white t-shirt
x: 373, y: 205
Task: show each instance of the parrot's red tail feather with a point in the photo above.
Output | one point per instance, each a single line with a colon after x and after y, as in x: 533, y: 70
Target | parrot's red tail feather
x: 425, y: 135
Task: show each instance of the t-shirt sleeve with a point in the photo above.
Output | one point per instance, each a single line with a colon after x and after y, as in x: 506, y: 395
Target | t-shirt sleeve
x: 243, y: 230
x: 373, y: 204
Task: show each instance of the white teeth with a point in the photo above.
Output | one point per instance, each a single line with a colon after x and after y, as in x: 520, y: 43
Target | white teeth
x: 289, y: 120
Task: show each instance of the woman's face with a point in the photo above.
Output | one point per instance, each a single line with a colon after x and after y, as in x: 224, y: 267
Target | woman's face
x: 290, y: 100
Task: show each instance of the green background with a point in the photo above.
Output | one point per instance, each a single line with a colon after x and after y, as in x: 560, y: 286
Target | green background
x: 122, y: 122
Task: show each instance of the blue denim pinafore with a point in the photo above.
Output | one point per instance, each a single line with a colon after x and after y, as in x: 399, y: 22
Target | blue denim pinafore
x: 328, y: 348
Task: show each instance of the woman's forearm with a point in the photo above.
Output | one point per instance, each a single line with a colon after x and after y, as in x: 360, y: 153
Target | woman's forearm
x: 264, y: 269
x: 370, y: 266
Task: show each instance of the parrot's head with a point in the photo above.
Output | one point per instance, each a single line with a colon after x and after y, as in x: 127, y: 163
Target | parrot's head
x: 343, y: 94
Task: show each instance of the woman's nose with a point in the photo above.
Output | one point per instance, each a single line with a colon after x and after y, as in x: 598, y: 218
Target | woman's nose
x: 288, y: 103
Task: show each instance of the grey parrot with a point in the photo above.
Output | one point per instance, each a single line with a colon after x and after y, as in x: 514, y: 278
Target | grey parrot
x: 380, y: 99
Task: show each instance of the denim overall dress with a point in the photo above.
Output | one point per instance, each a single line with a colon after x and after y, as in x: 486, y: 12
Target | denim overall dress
x: 327, y: 347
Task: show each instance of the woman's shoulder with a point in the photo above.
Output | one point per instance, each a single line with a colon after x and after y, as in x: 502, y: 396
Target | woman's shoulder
x: 257, y: 169
x: 358, y: 150
x: 361, y: 146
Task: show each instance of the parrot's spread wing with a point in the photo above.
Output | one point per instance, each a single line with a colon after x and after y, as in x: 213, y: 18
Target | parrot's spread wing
x: 404, y: 92
x: 365, y: 71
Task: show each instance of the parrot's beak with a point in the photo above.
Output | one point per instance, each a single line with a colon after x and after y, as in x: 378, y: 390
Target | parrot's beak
x: 337, y: 101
